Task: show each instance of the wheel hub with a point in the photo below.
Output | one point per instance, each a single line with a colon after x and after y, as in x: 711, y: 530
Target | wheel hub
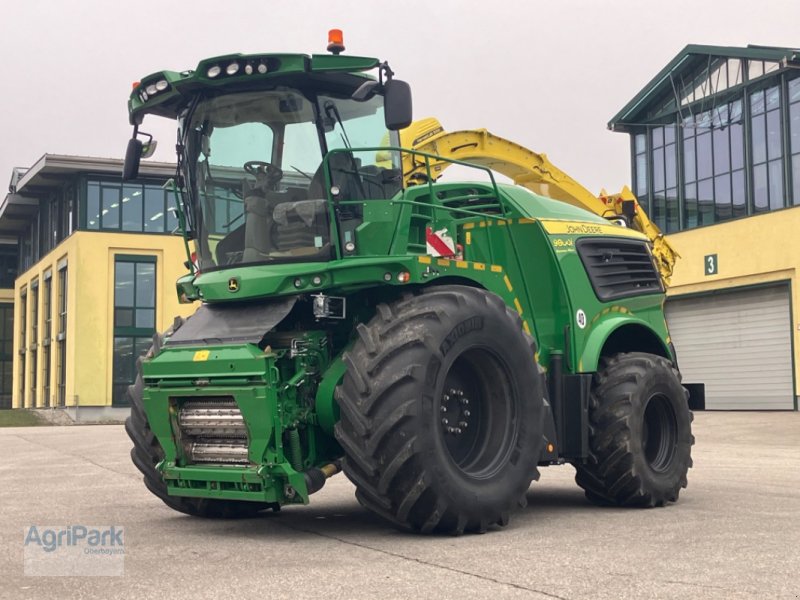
x: 476, y: 411
x: 455, y: 412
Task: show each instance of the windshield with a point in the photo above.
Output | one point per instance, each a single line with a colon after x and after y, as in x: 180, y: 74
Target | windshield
x: 254, y: 173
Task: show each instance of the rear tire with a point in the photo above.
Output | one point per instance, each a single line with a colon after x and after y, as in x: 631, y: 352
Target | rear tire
x: 640, y: 434
x: 442, y: 406
x: 147, y: 453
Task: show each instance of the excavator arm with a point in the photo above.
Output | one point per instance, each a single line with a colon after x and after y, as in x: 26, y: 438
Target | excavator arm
x: 529, y: 169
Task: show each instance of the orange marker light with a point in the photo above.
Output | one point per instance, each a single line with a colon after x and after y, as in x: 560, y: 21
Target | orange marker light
x: 135, y: 84
x: 335, y: 41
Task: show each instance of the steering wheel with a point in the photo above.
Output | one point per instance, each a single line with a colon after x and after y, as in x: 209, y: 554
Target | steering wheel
x: 260, y: 168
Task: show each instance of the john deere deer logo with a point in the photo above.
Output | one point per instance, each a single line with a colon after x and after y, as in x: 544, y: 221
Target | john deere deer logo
x: 233, y: 284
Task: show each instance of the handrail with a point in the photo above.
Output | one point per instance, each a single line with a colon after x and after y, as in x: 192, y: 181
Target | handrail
x: 428, y: 158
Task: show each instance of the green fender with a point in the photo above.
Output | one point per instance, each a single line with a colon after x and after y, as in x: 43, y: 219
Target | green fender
x: 602, y: 329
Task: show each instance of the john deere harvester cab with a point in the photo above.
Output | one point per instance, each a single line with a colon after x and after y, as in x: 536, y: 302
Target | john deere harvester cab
x: 438, y: 342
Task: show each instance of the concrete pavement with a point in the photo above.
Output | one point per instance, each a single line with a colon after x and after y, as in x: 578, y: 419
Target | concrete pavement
x: 735, y: 533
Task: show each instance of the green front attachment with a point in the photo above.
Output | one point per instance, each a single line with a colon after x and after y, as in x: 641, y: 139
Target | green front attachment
x: 237, y: 422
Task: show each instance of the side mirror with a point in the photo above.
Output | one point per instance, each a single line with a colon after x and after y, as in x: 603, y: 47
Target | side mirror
x: 133, y: 154
x: 397, y: 104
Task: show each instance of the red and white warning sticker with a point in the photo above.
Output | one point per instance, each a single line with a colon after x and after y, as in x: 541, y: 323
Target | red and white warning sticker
x: 439, y: 243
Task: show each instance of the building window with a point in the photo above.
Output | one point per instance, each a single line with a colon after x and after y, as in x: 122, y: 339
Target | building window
x: 8, y: 266
x: 26, y: 254
x: 640, y: 170
x: 6, y: 353
x: 134, y: 318
x: 767, y: 140
x: 665, y: 177
x: 794, y: 128
x: 48, y: 207
x: 141, y: 208
x: 711, y: 78
x: 66, y: 210
x: 61, y: 337
x: 47, y: 306
x: 23, y: 333
x: 738, y: 152
x: 713, y: 166
x: 33, y: 340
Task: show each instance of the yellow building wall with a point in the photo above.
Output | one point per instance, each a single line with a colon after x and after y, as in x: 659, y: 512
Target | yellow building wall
x: 90, y: 309
x: 751, y: 251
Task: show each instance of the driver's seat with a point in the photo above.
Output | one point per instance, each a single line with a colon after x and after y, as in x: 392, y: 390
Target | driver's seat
x: 344, y: 174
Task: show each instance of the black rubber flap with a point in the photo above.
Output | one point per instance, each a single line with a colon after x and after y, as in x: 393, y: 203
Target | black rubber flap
x: 232, y: 322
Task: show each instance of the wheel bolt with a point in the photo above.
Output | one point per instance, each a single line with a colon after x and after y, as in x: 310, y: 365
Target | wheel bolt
x: 445, y: 422
x: 464, y: 401
x: 466, y: 413
x: 463, y: 424
x: 457, y: 430
x: 443, y: 408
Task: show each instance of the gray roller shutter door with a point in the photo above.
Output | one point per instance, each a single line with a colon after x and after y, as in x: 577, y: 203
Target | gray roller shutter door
x: 739, y: 344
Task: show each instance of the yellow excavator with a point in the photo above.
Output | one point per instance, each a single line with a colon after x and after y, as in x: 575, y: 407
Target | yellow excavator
x: 529, y: 169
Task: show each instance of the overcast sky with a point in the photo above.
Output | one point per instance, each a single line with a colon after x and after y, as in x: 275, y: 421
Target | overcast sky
x: 548, y: 75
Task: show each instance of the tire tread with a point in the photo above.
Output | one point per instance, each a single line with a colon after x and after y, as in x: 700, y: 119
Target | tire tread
x: 609, y: 476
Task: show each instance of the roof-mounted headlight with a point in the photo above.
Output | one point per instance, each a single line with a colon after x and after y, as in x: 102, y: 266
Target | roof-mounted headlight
x: 214, y: 71
x: 232, y: 68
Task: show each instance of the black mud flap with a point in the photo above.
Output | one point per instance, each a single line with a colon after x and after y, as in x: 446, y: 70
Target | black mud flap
x: 232, y: 322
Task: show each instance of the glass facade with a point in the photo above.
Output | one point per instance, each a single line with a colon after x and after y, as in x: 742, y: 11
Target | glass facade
x: 54, y: 221
x: 141, y: 208
x: 47, y: 321
x: 6, y: 353
x: 69, y: 202
x: 61, y: 337
x: 36, y: 341
x: 23, y: 336
x: 8, y: 265
x: 767, y: 149
x: 713, y: 166
x: 794, y: 138
x: 104, y: 204
x: 134, y: 318
x: 33, y: 341
x: 664, y: 197
x: 727, y: 147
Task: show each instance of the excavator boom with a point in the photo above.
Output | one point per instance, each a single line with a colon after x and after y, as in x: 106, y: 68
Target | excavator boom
x: 529, y: 169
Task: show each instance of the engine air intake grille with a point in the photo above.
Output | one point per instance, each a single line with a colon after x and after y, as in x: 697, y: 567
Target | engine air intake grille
x: 619, y: 268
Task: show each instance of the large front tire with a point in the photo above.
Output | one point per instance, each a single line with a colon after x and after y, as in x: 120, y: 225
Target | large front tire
x: 442, y: 406
x: 640, y: 433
